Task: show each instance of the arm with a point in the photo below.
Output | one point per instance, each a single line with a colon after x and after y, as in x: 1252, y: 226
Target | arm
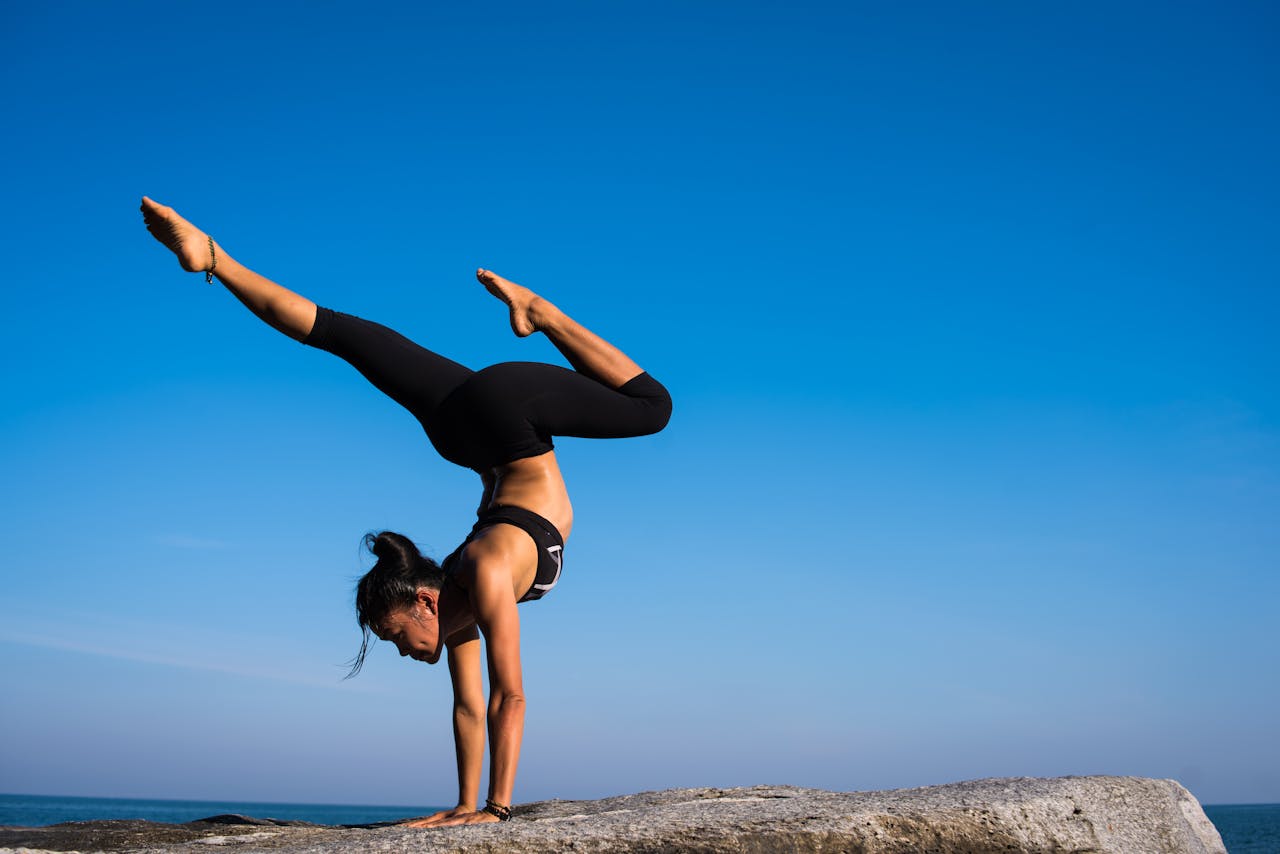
x: 487, y: 563
x: 495, y: 608
x: 468, y: 715
x: 468, y: 725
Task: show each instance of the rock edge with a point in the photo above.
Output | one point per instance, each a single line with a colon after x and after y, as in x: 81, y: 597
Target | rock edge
x: 1020, y: 814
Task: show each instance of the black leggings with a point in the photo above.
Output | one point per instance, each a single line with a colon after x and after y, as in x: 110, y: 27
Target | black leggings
x: 509, y: 411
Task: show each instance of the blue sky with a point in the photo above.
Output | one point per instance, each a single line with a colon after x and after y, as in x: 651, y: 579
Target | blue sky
x: 968, y: 311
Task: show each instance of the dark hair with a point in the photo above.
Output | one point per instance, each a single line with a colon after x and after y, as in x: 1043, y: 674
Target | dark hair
x: 392, y: 584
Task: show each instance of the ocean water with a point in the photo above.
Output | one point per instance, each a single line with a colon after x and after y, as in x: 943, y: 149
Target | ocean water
x: 40, y: 810
x: 1247, y: 828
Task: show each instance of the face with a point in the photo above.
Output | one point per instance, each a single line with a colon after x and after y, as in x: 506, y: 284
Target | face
x: 414, y: 630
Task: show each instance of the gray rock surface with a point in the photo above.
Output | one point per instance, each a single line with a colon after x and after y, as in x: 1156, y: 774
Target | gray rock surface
x: 1125, y: 815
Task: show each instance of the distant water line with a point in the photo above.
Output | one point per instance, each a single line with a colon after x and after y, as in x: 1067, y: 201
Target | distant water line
x: 42, y: 810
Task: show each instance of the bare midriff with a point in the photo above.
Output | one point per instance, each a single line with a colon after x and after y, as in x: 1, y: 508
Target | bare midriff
x: 535, y: 483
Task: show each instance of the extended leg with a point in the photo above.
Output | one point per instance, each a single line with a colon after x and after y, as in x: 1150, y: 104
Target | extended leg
x: 587, y: 352
x: 409, y: 374
x: 280, y: 307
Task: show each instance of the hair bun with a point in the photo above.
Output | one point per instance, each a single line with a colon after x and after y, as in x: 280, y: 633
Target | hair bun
x: 380, y: 544
x: 389, y: 544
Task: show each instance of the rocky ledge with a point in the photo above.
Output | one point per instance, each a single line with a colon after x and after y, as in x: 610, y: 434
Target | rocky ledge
x: 1124, y: 815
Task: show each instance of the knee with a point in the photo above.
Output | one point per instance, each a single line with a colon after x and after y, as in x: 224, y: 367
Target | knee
x: 658, y: 406
x: 664, y: 412
x: 653, y: 401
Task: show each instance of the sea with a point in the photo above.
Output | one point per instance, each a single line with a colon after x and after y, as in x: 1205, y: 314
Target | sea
x: 1245, y: 828
x: 41, y: 810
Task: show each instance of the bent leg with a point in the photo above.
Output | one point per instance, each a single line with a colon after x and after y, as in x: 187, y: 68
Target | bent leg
x: 514, y: 409
x: 279, y: 307
x: 587, y: 352
x: 568, y: 403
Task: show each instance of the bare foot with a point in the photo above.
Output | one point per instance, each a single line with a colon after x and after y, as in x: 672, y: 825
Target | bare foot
x: 529, y: 311
x: 189, y: 243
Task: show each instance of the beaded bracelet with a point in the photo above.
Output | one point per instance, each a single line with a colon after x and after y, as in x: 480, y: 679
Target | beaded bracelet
x: 497, y: 810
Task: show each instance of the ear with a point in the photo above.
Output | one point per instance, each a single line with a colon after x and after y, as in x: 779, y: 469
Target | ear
x: 428, y: 599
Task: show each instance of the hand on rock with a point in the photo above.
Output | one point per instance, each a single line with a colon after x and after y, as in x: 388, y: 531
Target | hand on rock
x: 438, y: 819
x: 480, y: 817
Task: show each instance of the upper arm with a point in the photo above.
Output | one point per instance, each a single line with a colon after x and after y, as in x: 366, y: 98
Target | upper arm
x: 464, y: 669
x: 494, y: 606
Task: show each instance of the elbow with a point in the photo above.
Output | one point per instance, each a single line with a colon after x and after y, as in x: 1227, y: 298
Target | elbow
x: 506, y: 704
x: 468, y: 711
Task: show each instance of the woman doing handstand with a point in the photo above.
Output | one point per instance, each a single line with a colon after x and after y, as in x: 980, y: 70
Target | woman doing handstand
x: 499, y: 422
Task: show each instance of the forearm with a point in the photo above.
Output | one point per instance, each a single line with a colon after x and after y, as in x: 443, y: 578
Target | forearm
x: 506, y: 731
x: 468, y: 741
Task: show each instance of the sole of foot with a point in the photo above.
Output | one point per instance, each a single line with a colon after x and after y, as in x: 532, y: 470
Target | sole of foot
x: 526, y: 306
x: 190, y: 244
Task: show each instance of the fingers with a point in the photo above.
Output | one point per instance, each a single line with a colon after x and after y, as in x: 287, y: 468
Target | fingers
x: 427, y: 821
x: 447, y: 820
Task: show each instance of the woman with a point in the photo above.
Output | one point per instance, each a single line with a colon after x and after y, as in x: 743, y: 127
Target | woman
x: 499, y: 422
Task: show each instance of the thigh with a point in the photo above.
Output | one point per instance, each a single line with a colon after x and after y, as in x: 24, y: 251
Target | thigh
x: 408, y: 373
x: 522, y: 405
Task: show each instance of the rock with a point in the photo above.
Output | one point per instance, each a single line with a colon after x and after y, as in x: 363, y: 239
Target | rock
x: 1124, y: 815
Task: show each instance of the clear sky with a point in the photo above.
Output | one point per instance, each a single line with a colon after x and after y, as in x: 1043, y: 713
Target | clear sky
x: 969, y: 312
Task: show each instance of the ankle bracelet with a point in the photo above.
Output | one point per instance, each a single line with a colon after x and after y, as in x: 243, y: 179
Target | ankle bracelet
x: 497, y: 810
x: 208, y: 274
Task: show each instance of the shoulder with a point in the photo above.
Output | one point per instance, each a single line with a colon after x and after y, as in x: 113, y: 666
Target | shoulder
x: 499, y: 547
x: 497, y: 565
